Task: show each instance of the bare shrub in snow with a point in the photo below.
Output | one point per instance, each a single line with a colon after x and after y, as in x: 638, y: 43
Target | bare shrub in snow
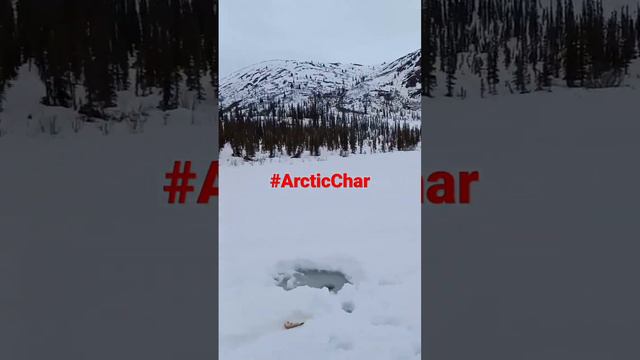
x: 611, y: 78
x: 76, y: 123
x: 105, y: 127
x: 49, y: 125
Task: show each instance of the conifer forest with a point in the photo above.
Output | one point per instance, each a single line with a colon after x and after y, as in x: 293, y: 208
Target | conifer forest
x: 519, y: 46
x: 85, y: 52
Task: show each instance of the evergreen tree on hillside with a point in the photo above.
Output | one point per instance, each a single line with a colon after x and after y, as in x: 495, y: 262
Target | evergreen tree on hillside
x: 104, y: 47
x: 535, y: 41
x: 9, y: 56
x: 429, y: 51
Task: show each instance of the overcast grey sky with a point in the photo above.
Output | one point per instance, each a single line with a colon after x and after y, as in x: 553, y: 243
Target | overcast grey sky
x: 356, y: 31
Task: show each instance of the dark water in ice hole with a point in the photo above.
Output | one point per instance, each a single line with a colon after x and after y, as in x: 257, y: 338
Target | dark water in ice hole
x: 334, y: 281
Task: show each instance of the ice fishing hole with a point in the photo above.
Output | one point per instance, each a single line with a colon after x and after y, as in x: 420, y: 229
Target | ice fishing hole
x: 334, y: 281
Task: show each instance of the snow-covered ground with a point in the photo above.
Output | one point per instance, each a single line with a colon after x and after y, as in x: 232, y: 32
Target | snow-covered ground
x: 23, y: 115
x: 371, y: 235
x: 471, y: 85
x: 94, y: 262
x: 541, y: 264
x: 119, y: 172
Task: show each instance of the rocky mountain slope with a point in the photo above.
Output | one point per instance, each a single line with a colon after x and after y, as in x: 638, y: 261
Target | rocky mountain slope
x: 392, y: 88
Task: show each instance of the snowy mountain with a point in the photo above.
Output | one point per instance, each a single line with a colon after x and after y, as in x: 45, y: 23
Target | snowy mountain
x: 392, y: 86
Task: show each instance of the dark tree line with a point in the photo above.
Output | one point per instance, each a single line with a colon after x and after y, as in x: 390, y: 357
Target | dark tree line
x: 9, y: 51
x: 276, y: 129
x: 584, y: 47
x: 105, y: 46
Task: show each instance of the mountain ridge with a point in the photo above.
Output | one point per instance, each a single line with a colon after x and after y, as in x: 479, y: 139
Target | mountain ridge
x: 392, y: 87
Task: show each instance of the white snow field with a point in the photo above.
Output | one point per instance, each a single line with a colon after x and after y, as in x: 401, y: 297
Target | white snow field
x: 370, y: 235
x: 95, y: 262
x: 550, y: 238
